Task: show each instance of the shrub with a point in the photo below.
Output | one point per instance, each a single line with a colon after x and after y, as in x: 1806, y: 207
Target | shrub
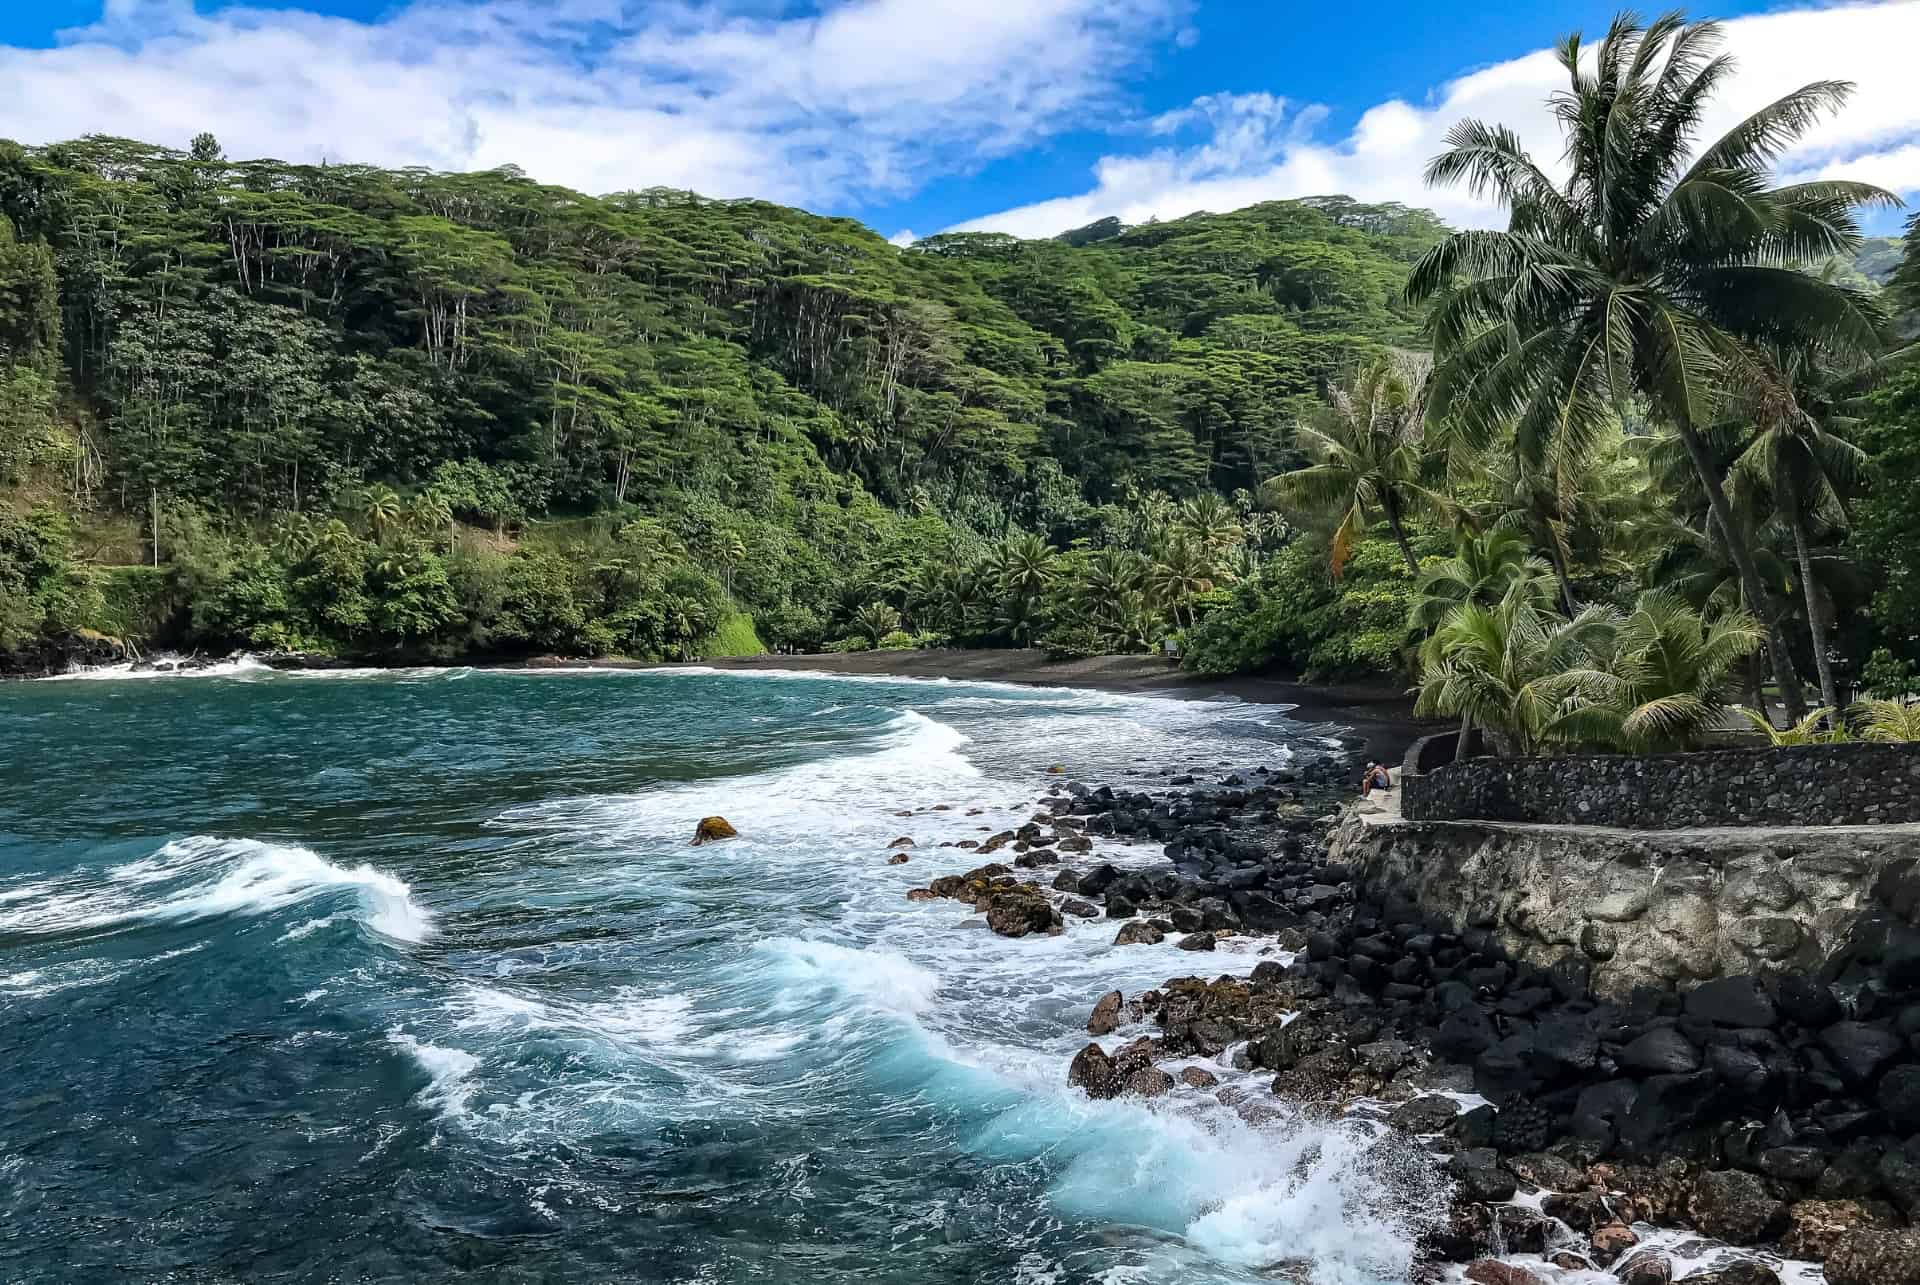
x: 898, y: 640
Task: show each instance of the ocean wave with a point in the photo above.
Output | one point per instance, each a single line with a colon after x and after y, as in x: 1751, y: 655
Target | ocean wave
x: 166, y: 666
x: 914, y: 760
x: 204, y: 877
x: 448, y: 1088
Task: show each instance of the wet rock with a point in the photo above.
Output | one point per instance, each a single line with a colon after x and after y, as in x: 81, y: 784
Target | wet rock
x: 997, y: 841
x: 1806, y: 1001
x: 1079, y: 909
x: 1545, y: 1170
x: 1075, y: 843
x: 1119, y: 907
x: 1198, y: 1078
x: 1899, y: 1097
x: 1017, y: 913
x: 922, y: 894
x: 1423, y: 1115
x: 1094, y: 1072
x: 1149, y: 1082
x: 1731, y: 1001
x: 1106, y: 1013
x: 897, y: 859
x: 1741, y: 1271
x: 1491, y: 1271
x: 1734, y: 1206
x: 1139, y: 933
x: 1661, y: 1051
x: 712, y: 830
x: 1647, y: 1269
x: 902, y: 842
x: 1196, y: 941
x: 1793, y: 1164
x: 1875, y: 1258
x: 1609, y: 1242
x: 1814, y: 1227
x: 1859, y: 1051
x: 1480, y: 1176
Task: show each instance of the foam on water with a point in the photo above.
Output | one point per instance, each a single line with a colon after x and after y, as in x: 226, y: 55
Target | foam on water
x: 448, y: 1090
x: 202, y: 877
x: 167, y: 666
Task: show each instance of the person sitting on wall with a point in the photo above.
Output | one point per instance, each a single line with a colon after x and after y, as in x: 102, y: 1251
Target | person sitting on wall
x: 1375, y: 778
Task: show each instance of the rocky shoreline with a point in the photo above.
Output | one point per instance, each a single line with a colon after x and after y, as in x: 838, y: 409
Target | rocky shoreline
x: 1778, y: 1115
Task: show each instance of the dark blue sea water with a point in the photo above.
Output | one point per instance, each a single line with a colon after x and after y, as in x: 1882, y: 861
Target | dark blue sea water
x: 414, y: 976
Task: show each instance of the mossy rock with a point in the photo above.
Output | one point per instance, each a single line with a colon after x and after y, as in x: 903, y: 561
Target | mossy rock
x: 713, y: 829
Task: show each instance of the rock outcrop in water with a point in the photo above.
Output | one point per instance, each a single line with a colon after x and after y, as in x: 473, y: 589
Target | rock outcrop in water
x: 712, y: 830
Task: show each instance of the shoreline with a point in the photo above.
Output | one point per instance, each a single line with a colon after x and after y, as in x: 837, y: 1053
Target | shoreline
x: 1377, y: 717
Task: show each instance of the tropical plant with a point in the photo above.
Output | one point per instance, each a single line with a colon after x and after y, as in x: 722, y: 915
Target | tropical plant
x: 1802, y: 451
x: 1367, y: 458
x: 1481, y: 570
x: 1666, y: 666
x: 1642, y: 279
x: 1889, y: 720
x: 1179, y: 574
x: 1527, y: 677
x: 1808, y: 731
x: 875, y: 621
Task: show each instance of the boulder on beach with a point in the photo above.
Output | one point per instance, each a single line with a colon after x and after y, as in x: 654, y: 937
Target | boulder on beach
x: 713, y: 829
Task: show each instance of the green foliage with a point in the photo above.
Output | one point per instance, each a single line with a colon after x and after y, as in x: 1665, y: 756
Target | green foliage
x: 484, y: 381
x: 1648, y: 679
x: 1295, y: 617
x: 734, y: 637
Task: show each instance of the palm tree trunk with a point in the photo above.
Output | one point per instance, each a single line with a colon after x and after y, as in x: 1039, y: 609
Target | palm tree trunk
x: 1749, y: 573
x: 1560, y: 574
x: 1816, y: 616
x: 1400, y: 538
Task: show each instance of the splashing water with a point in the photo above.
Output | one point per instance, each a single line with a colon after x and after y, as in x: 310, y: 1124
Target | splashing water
x: 427, y: 956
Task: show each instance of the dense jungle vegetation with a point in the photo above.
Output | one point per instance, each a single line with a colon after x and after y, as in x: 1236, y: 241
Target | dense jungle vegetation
x: 1575, y: 477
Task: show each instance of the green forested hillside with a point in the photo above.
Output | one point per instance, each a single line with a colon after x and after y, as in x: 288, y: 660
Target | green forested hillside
x: 247, y: 403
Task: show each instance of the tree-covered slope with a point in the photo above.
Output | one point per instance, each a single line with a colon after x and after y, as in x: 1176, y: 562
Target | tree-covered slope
x: 358, y: 409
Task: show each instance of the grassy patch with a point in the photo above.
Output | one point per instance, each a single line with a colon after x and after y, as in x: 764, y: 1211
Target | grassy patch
x: 735, y: 637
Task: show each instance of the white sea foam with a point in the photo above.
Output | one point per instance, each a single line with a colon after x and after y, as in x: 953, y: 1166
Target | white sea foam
x: 448, y: 1089
x: 168, y: 666
x: 202, y: 877
x: 881, y: 978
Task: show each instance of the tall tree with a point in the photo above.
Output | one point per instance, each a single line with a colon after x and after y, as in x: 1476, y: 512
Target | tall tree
x: 1367, y: 458
x: 1643, y: 277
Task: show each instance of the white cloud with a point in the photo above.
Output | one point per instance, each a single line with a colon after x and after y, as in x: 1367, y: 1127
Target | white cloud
x: 903, y: 238
x: 863, y: 99
x: 1252, y: 151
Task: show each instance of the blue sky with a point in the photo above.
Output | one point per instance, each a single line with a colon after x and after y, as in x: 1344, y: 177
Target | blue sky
x: 912, y: 115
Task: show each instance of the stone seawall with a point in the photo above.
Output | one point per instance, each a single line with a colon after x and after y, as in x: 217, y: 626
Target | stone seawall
x: 1808, y: 785
x: 1665, y: 909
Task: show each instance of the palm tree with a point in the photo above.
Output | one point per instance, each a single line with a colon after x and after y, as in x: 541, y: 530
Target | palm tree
x: 430, y: 511
x: 1182, y: 571
x: 1889, y: 720
x: 1806, y: 732
x: 1367, y: 458
x: 1525, y: 675
x: 875, y: 621
x: 1666, y: 666
x: 731, y: 550
x: 1210, y: 522
x: 1642, y: 277
x: 1801, y: 451
x: 1577, y: 507
x: 380, y: 509
x: 1482, y: 570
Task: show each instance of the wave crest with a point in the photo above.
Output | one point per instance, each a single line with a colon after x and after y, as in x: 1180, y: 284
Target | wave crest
x: 204, y: 877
